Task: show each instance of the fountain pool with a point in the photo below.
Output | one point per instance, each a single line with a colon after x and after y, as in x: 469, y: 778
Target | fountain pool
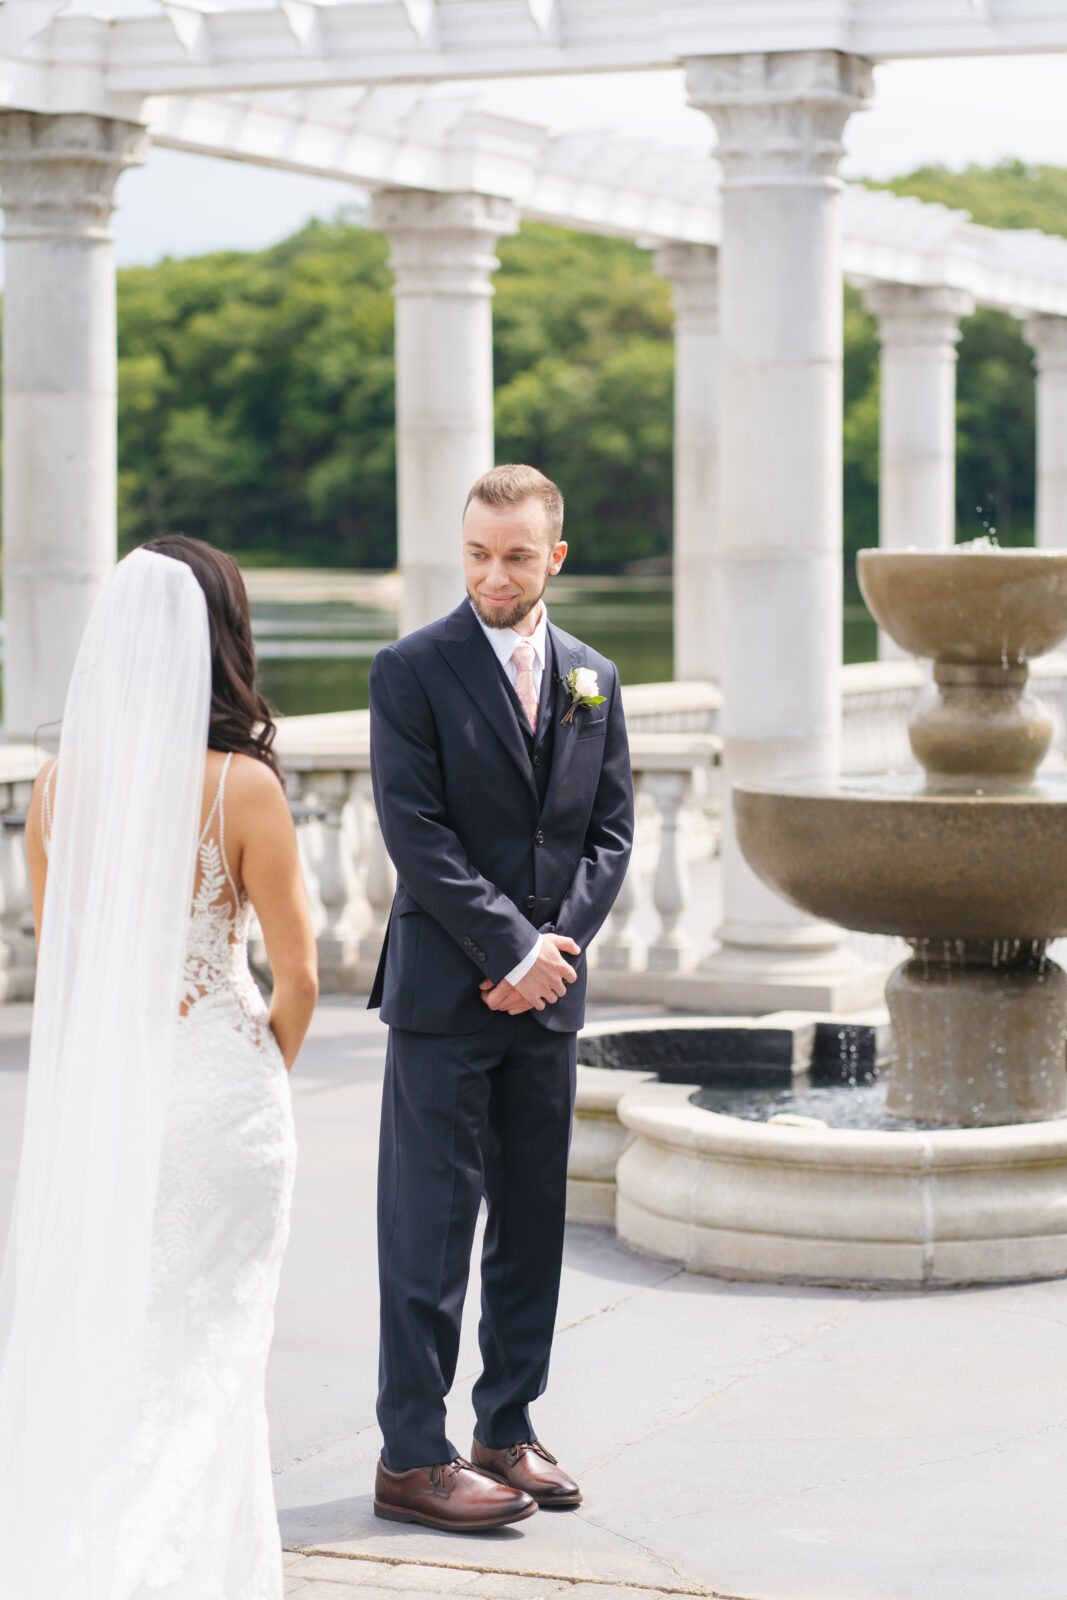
x: 961, y: 1174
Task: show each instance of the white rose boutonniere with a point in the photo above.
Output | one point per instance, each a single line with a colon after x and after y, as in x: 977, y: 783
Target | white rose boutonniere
x: 583, y: 689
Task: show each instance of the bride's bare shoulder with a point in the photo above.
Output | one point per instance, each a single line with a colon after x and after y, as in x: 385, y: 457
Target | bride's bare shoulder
x: 254, y: 793
x: 42, y: 783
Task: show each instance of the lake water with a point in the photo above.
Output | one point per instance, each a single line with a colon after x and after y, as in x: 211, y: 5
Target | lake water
x: 315, y: 650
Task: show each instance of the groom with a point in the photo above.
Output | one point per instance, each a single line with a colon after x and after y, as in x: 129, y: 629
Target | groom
x: 502, y: 783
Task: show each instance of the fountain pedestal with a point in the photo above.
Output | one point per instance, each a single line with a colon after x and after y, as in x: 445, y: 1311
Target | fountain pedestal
x: 979, y: 719
x: 979, y: 1032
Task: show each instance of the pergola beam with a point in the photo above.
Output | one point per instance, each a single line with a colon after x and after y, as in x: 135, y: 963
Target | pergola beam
x: 595, y: 182
x: 191, y: 48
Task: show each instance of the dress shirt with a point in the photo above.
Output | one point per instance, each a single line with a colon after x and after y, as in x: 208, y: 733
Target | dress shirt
x: 503, y: 641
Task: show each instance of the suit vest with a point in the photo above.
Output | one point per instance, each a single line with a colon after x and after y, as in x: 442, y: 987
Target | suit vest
x: 540, y: 745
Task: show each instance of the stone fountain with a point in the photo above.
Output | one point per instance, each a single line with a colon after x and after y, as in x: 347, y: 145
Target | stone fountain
x: 962, y: 1178
x: 969, y: 862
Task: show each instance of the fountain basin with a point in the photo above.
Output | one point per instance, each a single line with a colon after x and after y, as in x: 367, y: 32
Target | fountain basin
x: 915, y: 1209
x: 968, y: 606
x: 881, y: 855
x: 978, y: 885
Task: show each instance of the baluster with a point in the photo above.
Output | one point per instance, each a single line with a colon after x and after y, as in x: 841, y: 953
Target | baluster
x: 17, y: 950
x: 617, y: 947
x: 379, y: 881
x: 337, y: 884
x: 308, y: 816
x: 671, y: 949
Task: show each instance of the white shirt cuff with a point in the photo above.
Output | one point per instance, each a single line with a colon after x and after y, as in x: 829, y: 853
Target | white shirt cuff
x: 517, y: 974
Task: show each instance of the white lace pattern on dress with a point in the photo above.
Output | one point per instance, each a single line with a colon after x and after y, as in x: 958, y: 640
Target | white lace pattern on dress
x: 201, y: 1523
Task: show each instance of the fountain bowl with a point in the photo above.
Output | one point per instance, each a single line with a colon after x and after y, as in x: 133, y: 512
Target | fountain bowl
x: 967, y: 607
x: 882, y: 855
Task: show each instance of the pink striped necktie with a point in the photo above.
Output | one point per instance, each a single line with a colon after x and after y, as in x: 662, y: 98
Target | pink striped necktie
x: 523, y: 657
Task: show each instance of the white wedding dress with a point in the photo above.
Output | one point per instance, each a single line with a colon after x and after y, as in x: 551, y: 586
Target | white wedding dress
x: 199, y: 1521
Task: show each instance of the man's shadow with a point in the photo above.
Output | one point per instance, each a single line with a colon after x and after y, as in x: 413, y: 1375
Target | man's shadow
x: 353, y: 1521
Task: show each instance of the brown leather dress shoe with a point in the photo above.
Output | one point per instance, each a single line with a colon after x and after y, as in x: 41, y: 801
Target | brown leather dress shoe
x: 453, y: 1496
x: 531, y: 1468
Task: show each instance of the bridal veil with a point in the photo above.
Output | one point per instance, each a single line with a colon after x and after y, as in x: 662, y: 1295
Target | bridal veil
x: 75, y: 1287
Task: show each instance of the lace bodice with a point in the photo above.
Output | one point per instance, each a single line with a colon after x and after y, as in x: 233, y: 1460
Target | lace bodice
x: 216, y: 951
x: 216, y: 969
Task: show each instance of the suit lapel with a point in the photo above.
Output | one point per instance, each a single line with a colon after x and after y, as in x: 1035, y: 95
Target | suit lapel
x: 470, y: 656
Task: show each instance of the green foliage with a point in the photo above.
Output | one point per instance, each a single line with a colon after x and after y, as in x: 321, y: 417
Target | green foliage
x: 995, y: 380
x: 256, y: 390
x: 256, y: 394
x: 256, y: 399
x: 861, y: 426
x: 1008, y: 195
x: 584, y: 366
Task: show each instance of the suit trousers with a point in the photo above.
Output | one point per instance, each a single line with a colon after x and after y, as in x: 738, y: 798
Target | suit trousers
x: 467, y: 1116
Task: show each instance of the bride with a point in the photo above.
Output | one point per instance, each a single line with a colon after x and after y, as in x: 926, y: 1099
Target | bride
x: 152, y: 1205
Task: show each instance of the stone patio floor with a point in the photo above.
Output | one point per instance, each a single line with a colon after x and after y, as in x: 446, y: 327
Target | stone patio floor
x: 748, y: 1441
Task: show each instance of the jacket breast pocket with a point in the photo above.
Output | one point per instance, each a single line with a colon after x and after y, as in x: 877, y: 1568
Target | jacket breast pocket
x: 592, y: 727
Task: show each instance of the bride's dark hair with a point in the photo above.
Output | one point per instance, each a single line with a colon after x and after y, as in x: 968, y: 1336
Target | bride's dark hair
x: 241, y: 720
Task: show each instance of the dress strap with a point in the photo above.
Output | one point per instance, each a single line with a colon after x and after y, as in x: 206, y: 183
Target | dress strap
x: 222, y: 824
x: 218, y: 806
x: 47, y: 798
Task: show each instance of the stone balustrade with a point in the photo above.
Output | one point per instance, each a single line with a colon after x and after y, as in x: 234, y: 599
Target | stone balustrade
x: 659, y: 929
x: 351, y: 879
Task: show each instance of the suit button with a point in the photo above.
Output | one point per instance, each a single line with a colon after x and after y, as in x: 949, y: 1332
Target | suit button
x: 468, y: 942
x: 537, y: 761
x: 539, y: 837
x: 479, y: 955
x: 530, y: 902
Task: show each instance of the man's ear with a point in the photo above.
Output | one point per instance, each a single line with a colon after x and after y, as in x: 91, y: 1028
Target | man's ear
x: 557, y: 558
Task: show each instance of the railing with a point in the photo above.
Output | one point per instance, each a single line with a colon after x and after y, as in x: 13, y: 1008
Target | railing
x: 659, y: 924
x: 18, y: 769
x: 350, y: 877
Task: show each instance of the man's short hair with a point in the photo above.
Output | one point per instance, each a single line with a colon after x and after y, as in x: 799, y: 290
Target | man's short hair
x: 511, y: 484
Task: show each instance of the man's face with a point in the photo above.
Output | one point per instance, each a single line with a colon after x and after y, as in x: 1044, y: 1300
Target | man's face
x: 508, y: 555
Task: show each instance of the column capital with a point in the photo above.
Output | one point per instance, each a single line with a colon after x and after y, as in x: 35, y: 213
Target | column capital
x: 780, y: 115
x: 918, y: 316
x: 692, y: 270
x: 442, y: 243
x: 58, y: 172
x: 1047, y: 337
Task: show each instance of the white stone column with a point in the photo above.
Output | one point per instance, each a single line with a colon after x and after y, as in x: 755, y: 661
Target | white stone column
x: 693, y: 273
x: 918, y: 329
x: 442, y: 258
x: 57, y: 181
x: 779, y: 118
x: 1048, y: 338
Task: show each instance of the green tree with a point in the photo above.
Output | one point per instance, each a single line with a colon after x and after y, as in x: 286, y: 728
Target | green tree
x: 256, y: 390
x: 995, y: 387
x: 584, y: 367
x: 256, y: 399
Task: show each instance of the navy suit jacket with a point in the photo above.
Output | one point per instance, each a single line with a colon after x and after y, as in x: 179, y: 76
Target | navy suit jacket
x: 482, y: 863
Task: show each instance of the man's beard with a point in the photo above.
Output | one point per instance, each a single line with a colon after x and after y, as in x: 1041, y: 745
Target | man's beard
x: 507, y: 616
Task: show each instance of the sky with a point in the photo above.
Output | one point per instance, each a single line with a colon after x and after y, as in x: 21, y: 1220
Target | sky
x: 950, y: 111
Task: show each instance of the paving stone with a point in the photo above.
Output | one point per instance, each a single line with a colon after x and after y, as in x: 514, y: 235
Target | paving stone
x: 510, y: 1586
x: 323, y: 1589
x: 423, y: 1580
x: 600, y: 1591
x: 333, y: 1569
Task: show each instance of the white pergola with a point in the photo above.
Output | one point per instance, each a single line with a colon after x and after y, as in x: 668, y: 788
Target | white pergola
x: 754, y: 239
